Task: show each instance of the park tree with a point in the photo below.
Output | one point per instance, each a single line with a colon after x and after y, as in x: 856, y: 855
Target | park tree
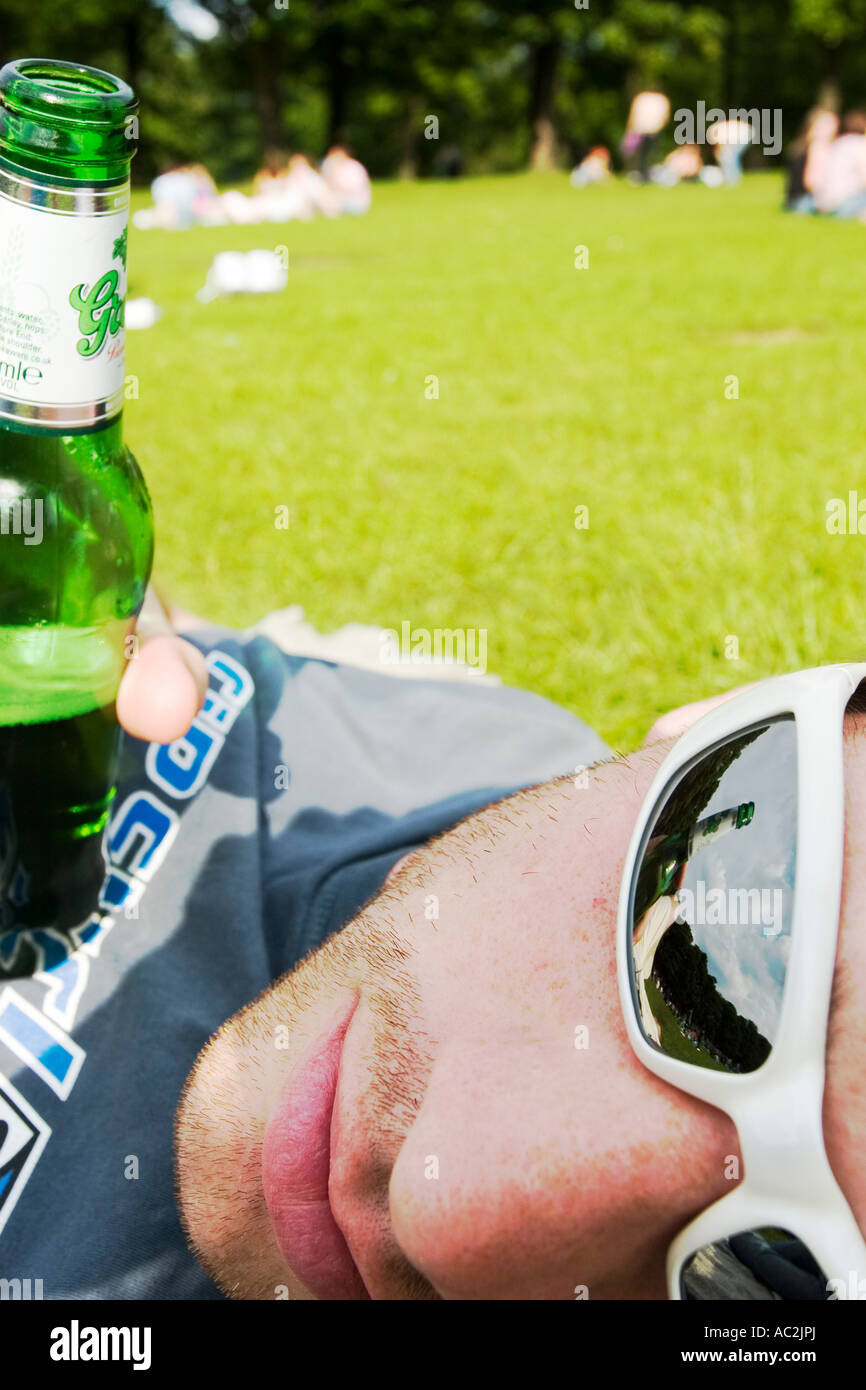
x: 499, y: 84
x: 549, y: 40
x: 100, y: 33
x: 836, y: 28
x: 258, y: 47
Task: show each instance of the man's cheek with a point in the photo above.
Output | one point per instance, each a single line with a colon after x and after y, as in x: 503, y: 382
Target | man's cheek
x: 436, y: 1180
x: 484, y: 1184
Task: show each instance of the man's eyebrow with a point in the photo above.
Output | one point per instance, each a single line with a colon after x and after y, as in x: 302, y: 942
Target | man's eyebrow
x: 479, y: 831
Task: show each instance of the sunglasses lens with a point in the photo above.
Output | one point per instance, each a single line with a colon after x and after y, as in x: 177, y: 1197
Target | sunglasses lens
x: 712, y: 903
x: 766, y: 1264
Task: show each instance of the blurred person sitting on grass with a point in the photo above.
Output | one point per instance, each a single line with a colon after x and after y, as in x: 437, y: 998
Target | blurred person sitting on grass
x: 348, y: 181
x: 808, y: 159
x: 684, y: 164
x: 595, y: 168
x: 182, y: 197
x: 272, y: 174
x: 406, y: 890
x: 310, y: 190
x: 282, y: 191
x: 730, y: 140
x: 647, y: 117
x: 840, y: 181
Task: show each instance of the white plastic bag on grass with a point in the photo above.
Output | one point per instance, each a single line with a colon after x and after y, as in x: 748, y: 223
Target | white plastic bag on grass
x: 239, y: 272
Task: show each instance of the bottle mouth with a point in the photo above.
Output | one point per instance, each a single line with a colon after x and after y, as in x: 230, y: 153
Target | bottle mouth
x: 65, y: 91
x: 57, y: 111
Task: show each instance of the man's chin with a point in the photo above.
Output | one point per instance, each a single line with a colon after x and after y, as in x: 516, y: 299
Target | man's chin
x: 217, y: 1162
x: 219, y: 1132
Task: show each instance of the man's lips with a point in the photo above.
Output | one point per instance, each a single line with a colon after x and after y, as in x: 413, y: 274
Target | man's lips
x: 296, y: 1163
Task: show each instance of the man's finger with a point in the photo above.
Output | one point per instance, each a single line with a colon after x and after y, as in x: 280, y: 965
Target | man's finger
x: 165, y: 681
x: 163, y: 688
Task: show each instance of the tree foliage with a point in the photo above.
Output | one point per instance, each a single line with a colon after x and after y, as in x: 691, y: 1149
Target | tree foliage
x: 508, y: 84
x: 681, y: 970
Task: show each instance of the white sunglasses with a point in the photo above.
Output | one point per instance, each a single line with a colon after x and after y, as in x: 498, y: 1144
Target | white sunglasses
x: 726, y: 948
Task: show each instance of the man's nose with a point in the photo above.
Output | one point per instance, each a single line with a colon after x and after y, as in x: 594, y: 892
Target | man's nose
x: 485, y: 1196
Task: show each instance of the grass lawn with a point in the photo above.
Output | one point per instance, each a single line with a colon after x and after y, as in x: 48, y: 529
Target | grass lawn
x: 674, y: 1041
x: 558, y: 387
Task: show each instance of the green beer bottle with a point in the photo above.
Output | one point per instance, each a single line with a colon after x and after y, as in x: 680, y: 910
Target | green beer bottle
x: 666, y: 857
x: 76, y: 528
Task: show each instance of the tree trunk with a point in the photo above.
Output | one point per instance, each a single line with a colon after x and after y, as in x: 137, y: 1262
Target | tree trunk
x: 730, y: 59
x: 132, y: 47
x: 830, y: 91
x: 144, y: 167
x: 336, y: 91
x: 412, y: 125
x: 265, y: 74
x: 545, y: 59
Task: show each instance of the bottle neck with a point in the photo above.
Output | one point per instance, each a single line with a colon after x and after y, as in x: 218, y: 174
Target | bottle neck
x: 61, y: 173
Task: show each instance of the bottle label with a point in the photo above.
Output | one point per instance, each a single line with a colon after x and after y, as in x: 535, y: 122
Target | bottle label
x: 62, y: 295
x: 711, y: 828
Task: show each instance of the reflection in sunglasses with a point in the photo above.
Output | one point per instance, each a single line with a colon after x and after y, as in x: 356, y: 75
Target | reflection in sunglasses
x: 766, y: 1264
x: 706, y: 992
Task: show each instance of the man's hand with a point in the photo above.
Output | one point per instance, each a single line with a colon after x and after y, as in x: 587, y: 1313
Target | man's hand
x: 676, y: 721
x: 165, y: 681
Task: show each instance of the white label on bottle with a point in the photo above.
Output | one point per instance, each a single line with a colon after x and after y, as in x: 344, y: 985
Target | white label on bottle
x: 62, y: 294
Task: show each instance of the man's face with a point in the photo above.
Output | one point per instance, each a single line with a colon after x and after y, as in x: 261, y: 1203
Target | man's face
x: 441, y: 1101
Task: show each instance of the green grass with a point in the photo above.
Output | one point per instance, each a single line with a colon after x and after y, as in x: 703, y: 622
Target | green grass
x: 558, y: 387
x: 673, y: 1041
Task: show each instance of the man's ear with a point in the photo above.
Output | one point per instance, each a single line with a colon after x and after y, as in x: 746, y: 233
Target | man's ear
x: 676, y: 721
